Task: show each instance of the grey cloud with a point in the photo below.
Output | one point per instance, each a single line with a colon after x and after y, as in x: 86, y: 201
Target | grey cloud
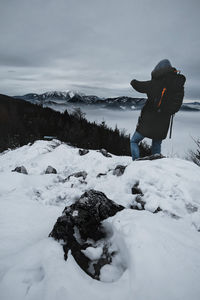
x: 96, y: 45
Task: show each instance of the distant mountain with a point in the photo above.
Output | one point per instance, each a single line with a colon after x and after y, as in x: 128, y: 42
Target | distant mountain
x: 191, y: 106
x: 71, y: 97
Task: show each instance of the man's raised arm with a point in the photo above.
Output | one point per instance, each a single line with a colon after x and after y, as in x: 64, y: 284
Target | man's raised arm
x: 141, y: 86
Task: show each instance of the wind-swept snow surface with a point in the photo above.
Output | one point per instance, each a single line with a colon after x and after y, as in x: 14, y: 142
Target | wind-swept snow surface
x: 160, y: 250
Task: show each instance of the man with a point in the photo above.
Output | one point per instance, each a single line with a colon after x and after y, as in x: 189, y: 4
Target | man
x: 165, y: 93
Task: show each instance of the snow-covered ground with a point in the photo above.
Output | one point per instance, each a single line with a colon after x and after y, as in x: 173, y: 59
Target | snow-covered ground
x: 160, y: 250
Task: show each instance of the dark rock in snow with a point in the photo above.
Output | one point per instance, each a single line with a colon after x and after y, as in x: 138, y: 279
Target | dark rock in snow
x: 50, y: 170
x: 83, y: 151
x: 78, y: 174
x: 105, y: 152
x: 151, y: 157
x: 101, y: 174
x: 21, y: 169
x: 82, y: 181
x: 82, y: 221
x: 136, y: 190
x: 138, y: 204
x: 119, y: 170
x: 158, y: 209
x: 141, y: 202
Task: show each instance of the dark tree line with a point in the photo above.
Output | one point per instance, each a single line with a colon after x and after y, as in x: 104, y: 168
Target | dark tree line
x: 22, y: 122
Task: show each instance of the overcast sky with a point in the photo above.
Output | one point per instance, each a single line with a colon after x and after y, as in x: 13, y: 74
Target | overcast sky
x: 96, y: 46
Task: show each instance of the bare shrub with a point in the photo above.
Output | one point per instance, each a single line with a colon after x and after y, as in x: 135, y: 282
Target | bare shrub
x: 78, y: 113
x: 145, y: 149
x: 195, y: 155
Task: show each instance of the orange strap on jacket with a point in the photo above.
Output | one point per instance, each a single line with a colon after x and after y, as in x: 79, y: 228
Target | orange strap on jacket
x: 177, y: 71
x: 163, y: 91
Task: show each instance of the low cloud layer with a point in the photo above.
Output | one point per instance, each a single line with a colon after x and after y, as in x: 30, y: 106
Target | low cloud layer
x: 96, y: 47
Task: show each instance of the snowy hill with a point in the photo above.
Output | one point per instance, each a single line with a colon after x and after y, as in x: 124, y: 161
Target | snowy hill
x: 158, y: 246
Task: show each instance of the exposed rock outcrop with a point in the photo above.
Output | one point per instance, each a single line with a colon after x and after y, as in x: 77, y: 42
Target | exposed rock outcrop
x: 83, y: 151
x: 136, y: 190
x: 119, y: 170
x: 139, y: 203
x: 82, y: 174
x: 80, y: 228
x: 105, y: 152
x: 151, y: 157
x: 101, y: 174
x: 50, y: 170
x: 20, y: 169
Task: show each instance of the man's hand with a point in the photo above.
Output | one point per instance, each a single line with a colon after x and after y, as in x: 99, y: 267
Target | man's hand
x: 141, y: 86
x: 132, y: 82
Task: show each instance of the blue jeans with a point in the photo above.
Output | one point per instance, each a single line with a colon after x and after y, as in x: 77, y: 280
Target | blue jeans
x: 136, y: 138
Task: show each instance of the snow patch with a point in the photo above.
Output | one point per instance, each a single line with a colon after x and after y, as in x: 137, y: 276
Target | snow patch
x: 93, y: 253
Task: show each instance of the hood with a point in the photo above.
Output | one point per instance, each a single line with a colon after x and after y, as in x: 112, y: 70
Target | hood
x: 163, y: 67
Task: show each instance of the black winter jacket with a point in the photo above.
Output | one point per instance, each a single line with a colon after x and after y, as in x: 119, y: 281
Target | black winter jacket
x: 151, y: 123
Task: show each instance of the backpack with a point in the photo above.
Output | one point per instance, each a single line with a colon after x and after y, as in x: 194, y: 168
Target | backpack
x: 170, y: 94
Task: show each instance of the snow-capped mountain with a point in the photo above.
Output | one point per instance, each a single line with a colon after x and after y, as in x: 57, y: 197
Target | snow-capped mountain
x: 156, y: 246
x: 71, y: 97
x: 50, y: 96
x: 75, y: 97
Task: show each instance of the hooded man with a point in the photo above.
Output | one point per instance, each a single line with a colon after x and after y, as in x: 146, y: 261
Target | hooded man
x: 154, y: 119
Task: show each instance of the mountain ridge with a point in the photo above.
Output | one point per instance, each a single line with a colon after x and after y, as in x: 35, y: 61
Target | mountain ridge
x: 70, y: 97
